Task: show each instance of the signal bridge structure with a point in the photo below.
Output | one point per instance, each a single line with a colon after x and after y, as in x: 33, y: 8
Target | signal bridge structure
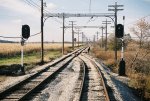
x: 68, y: 15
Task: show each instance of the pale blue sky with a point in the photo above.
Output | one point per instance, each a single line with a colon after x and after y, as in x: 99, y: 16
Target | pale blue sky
x: 15, y: 13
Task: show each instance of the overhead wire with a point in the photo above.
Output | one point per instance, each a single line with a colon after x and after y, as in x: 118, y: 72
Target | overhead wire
x: 35, y: 34
x: 32, y: 4
x: 6, y: 37
x: 53, y: 17
x: 9, y: 37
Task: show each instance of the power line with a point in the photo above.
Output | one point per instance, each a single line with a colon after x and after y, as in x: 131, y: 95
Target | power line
x: 9, y: 37
x: 90, y: 20
x: 32, y: 4
x: 57, y: 20
x: 35, y: 34
x: 6, y: 37
x: 35, y: 5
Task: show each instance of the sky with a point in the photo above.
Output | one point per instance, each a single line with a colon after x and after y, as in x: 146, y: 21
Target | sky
x: 15, y: 13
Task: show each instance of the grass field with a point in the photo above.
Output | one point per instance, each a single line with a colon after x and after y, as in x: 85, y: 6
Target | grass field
x: 13, y: 49
x: 10, y: 52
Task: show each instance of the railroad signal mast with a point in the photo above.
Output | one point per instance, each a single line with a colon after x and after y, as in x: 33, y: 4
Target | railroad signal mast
x: 25, y: 35
x: 120, y: 34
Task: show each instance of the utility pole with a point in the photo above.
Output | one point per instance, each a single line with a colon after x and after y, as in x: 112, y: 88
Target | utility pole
x: 106, y: 23
x: 72, y: 24
x: 97, y: 36
x: 63, y: 34
x: 42, y: 42
x: 102, y: 34
x: 78, y: 37
x: 82, y: 38
x: 90, y: 7
x: 115, y: 9
x: 94, y: 39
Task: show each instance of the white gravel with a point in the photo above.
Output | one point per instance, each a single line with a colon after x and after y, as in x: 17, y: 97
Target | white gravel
x: 61, y: 88
x: 10, y: 81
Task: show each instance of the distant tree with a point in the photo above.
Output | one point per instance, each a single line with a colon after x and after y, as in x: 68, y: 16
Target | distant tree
x: 142, y: 30
x: 111, y: 43
x: 127, y: 37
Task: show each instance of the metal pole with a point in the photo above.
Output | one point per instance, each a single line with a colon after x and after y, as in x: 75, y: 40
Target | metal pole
x: 22, y: 55
x: 63, y: 34
x: 22, y: 66
x: 42, y: 48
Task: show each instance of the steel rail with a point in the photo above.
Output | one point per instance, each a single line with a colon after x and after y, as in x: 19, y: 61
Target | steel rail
x: 100, y: 74
x: 83, y: 79
x: 23, y: 83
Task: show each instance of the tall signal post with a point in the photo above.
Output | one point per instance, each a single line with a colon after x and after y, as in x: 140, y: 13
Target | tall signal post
x: 115, y: 9
x: 106, y: 23
x: 42, y: 37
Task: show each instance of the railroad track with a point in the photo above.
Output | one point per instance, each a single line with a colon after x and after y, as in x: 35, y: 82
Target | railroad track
x: 90, y: 84
x: 25, y: 89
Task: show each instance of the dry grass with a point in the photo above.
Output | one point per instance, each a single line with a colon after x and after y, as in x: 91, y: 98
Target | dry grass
x: 12, y: 49
x: 106, y: 56
x: 138, y: 71
x: 10, y: 53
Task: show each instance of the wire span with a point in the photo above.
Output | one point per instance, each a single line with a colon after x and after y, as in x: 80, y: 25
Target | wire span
x: 19, y: 37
